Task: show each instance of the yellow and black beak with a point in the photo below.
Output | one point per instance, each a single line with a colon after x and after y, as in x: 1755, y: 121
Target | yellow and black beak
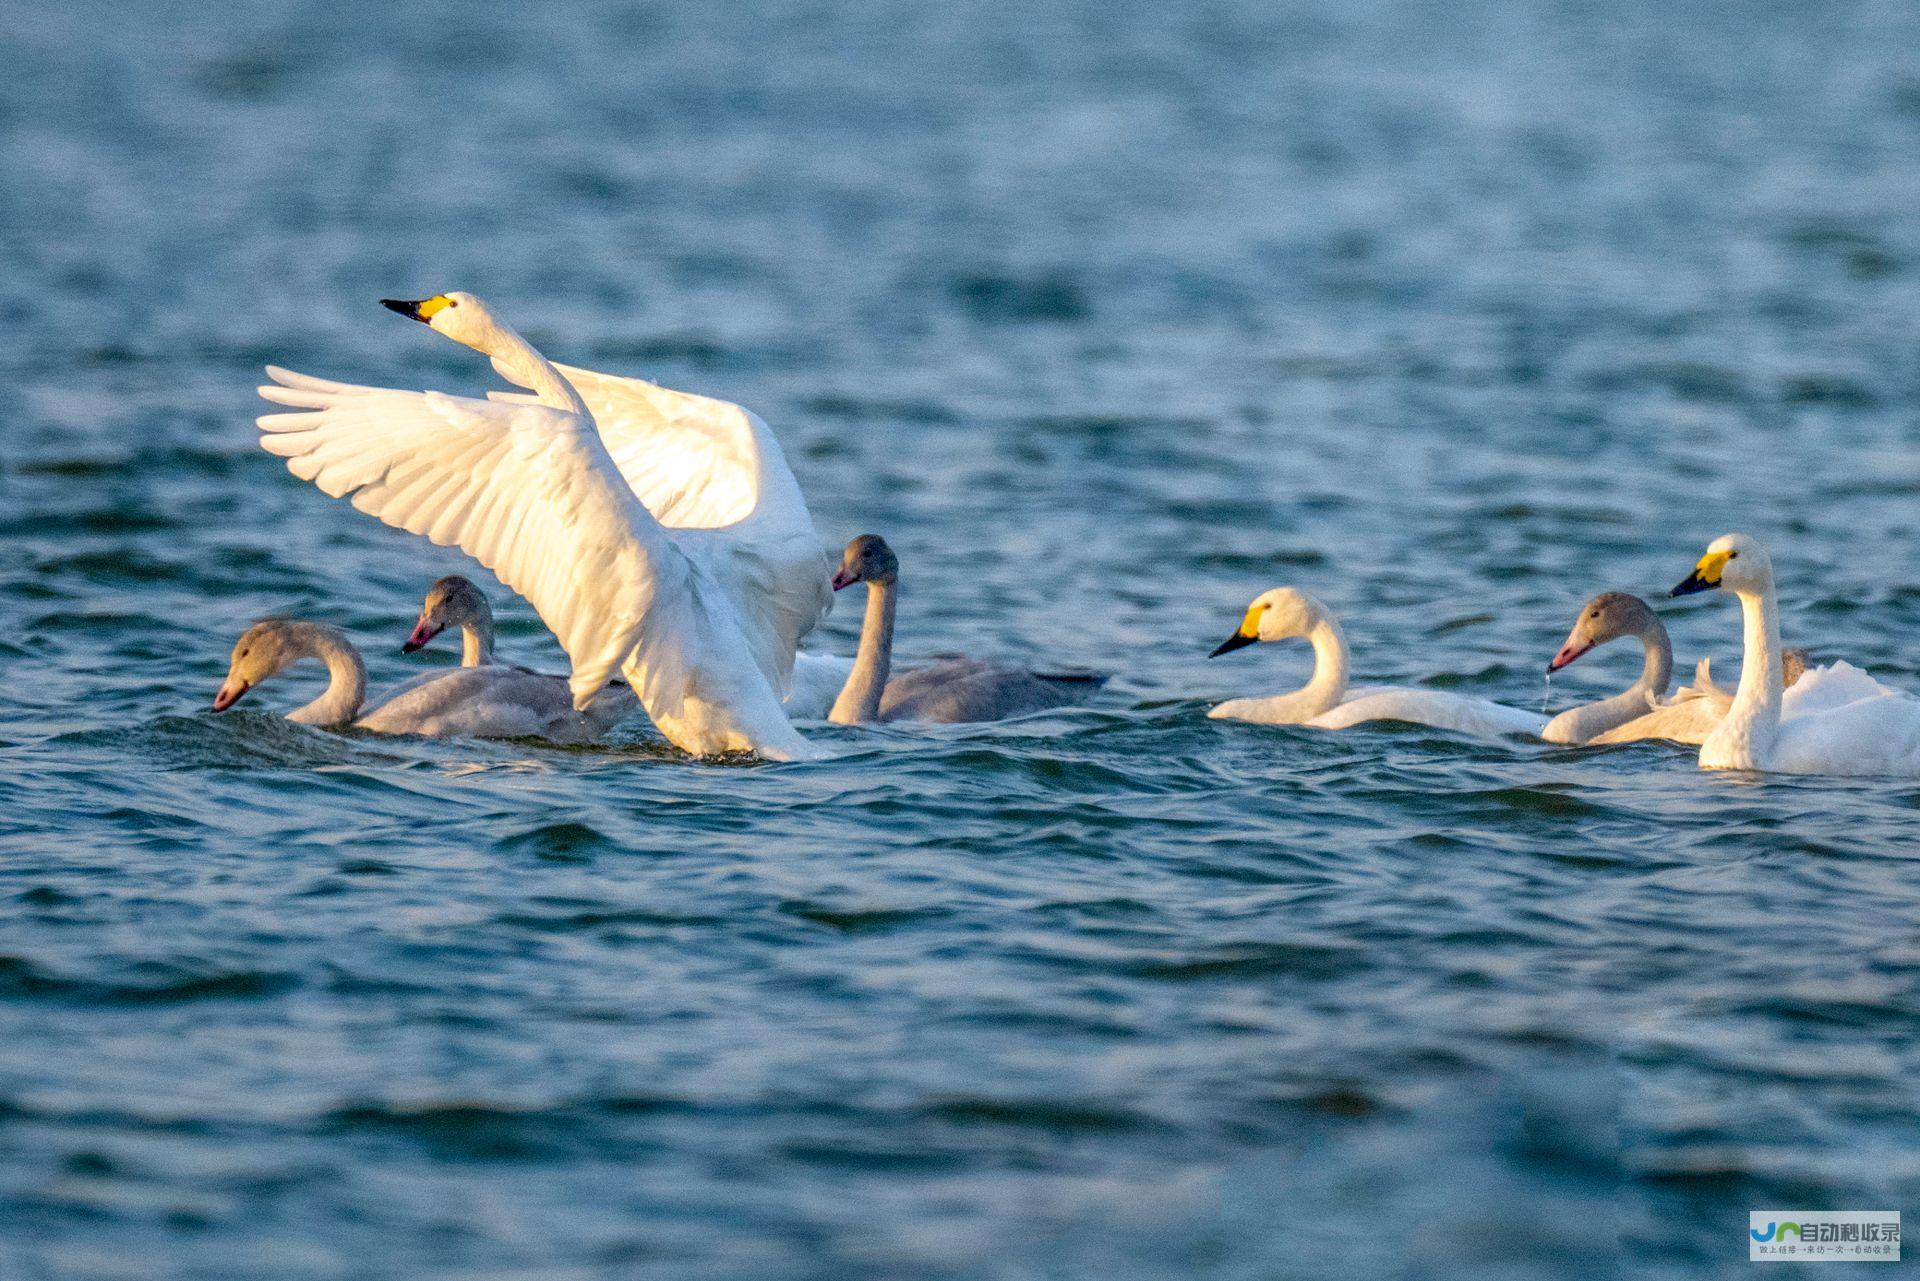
x: 1249, y: 633
x: 1705, y: 576
x: 422, y: 311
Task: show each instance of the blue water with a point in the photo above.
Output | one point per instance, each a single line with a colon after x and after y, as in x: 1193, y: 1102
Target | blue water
x: 1109, y: 318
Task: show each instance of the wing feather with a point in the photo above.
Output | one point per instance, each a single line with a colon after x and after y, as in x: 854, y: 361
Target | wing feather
x: 513, y: 486
x: 714, y: 475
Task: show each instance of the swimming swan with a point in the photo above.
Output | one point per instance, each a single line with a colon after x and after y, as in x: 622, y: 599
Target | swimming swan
x: 455, y: 602
x: 1607, y: 617
x: 1640, y: 712
x: 480, y: 702
x: 1324, y: 702
x: 950, y: 690
x: 668, y: 542
x: 1838, y: 720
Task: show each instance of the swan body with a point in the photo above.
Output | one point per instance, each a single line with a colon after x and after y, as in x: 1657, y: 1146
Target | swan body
x: 455, y: 602
x: 1325, y: 702
x: 1845, y: 721
x: 476, y: 702
x: 527, y: 486
x: 1693, y: 712
x: 714, y: 475
x: 1640, y: 712
x: 1684, y: 720
x: 951, y: 690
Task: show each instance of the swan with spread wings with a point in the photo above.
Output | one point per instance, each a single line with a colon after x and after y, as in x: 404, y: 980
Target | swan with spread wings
x: 657, y: 533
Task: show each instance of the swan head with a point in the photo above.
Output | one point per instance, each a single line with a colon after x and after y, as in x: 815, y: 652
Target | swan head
x: 452, y: 602
x: 460, y: 316
x: 1281, y: 614
x: 1734, y: 563
x: 867, y: 559
x: 264, y: 650
x: 1608, y: 616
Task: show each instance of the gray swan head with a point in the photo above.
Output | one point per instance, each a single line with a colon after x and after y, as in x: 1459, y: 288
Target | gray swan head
x: 452, y: 602
x: 867, y: 559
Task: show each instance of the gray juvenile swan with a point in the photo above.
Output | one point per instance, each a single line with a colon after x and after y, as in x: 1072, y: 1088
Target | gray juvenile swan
x: 454, y: 601
x: 1610, y: 616
x: 950, y: 690
x: 481, y: 702
x: 1639, y: 712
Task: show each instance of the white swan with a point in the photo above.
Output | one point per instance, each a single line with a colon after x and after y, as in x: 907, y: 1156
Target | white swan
x: 1325, y: 702
x: 702, y: 617
x: 1838, y: 720
x: 454, y: 601
x: 479, y: 702
x: 951, y: 690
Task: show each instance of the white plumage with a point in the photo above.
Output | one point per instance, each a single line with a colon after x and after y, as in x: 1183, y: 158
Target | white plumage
x: 1325, y: 702
x: 1837, y: 720
x: 702, y: 620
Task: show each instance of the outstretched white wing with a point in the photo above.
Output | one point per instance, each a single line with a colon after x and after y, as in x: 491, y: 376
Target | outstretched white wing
x: 715, y: 477
x: 513, y: 486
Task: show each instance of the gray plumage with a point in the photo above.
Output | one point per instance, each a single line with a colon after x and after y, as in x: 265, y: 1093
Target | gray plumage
x: 950, y: 690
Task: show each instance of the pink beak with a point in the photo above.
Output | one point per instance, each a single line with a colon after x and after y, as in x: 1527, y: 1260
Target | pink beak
x: 1568, y: 652
x: 423, y: 631
x: 230, y: 693
x: 841, y: 578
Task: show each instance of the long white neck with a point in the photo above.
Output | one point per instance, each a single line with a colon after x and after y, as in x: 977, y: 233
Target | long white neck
x: 476, y: 637
x: 1322, y: 692
x: 520, y: 363
x: 346, y: 688
x: 860, y: 697
x: 1744, y: 737
x: 1579, y: 724
x: 1328, y: 685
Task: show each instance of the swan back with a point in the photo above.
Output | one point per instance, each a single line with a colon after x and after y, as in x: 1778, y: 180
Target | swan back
x: 496, y: 702
x: 1460, y: 713
x: 962, y: 690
